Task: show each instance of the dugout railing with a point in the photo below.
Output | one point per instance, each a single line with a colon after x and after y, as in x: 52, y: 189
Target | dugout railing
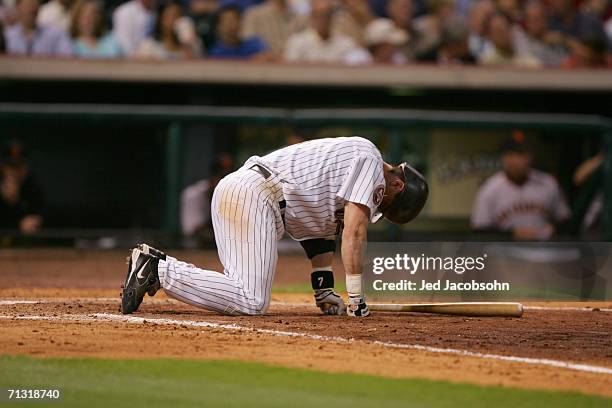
x: 175, y: 118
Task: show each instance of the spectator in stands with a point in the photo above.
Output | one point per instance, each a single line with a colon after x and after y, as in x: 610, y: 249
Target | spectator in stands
x: 203, y: 13
x: 26, y: 37
x: 241, y: 5
x: 429, y: 27
x: 511, y: 8
x: 454, y: 46
x: 8, y: 12
x: 352, y: 18
x: 174, y: 37
x: 546, y: 46
x: 91, y: 40
x: 55, y: 13
x: 479, y: 14
x: 401, y: 13
x: 568, y: 21
x: 519, y: 199
x: 589, y: 50
x: 133, y: 22
x: 21, y: 200
x: 2, y: 44
x: 503, y: 51
x: 318, y: 43
x: 273, y: 21
x: 229, y: 43
x: 384, y: 42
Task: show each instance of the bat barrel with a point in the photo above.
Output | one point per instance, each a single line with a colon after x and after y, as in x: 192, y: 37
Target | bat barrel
x: 499, y: 309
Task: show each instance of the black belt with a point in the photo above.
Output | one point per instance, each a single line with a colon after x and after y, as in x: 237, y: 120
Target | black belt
x: 266, y: 175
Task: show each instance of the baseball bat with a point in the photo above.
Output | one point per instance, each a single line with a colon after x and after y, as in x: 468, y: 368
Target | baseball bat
x: 500, y: 309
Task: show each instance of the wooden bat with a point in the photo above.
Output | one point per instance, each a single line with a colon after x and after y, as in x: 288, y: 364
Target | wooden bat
x: 500, y: 309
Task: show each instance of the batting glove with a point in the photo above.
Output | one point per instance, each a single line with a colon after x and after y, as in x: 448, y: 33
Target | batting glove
x: 326, y: 299
x: 357, y: 307
x: 329, y: 302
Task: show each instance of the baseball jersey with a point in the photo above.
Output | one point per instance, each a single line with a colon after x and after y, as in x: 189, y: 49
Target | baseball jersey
x: 504, y: 205
x: 320, y: 176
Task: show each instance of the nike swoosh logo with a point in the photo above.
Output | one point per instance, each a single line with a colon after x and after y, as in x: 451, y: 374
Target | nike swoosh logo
x: 139, y: 275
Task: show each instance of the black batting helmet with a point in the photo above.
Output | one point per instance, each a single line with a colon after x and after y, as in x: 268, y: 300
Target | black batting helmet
x: 409, y: 202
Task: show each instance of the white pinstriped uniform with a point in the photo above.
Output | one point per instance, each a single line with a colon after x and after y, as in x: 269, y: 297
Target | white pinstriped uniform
x: 315, y: 178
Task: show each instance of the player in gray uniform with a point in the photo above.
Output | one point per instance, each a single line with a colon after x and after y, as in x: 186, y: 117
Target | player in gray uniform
x: 519, y: 199
x: 313, y: 191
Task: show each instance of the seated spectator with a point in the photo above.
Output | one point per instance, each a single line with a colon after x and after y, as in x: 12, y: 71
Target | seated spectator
x: 55, y: 13
x: 503, y: 50
x: 478, y: 16
x: 519, y: 199
x: 26, y: 37
x: 566, y: 20
x: 429, y: 27
x: 89, y: 34
x: 20, y: 197
x: 2, y: 44
x: 511, y: 8
x: 203, y: 13
x: 537, y: 40
x: 241, y: 5
x: 454, y: 45
x: 230, y: 45
x: 174, y: 37
x: 589, y: 50
x: 352, y: 18
x: 400, y: 12
x: 384, y: 42
x: 8, y: 12
x: 318, y: 43
x: 133, y: 22
x: 273, y: 21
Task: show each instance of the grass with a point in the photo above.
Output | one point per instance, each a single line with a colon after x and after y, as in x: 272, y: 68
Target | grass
x: 188, y: 383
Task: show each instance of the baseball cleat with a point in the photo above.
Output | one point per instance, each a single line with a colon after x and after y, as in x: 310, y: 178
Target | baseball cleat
x: 142, y: 278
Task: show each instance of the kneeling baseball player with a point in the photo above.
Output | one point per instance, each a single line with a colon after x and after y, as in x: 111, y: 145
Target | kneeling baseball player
x: 314, y: 191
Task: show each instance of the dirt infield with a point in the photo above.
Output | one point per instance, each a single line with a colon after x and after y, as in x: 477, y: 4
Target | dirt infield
x: 65, y: 303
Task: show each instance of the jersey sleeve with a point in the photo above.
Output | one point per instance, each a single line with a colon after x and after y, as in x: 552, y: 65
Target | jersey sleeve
x: 364, y: 184
x: 482, y: 213
x: 560, y: 210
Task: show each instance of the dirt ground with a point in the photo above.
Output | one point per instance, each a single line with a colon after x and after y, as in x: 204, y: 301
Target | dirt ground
x: 73, y: 303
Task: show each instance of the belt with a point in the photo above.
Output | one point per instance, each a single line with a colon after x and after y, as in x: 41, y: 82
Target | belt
x: 266, y: 175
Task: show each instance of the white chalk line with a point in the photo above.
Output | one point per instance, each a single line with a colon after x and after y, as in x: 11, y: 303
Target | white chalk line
x: 192, y: 323
x: 9, y: 302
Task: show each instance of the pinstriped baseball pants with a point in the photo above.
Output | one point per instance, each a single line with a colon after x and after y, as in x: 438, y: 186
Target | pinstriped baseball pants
x: 247, y: 223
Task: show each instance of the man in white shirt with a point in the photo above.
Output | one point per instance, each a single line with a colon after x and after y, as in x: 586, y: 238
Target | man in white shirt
x: 318, y: 42
x: 313, y: 191
x: 519, y: 199
x: 133, y: 22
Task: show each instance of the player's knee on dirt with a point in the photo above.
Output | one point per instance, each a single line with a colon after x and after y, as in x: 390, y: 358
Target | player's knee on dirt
x: 318, y: 246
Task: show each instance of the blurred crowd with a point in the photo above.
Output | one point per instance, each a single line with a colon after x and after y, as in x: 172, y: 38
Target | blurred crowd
x: 568, y: 33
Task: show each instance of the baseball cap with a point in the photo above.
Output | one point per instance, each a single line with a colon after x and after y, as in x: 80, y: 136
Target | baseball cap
x: 384, y: 31
x: 14, y: 153
x: 515, y: 143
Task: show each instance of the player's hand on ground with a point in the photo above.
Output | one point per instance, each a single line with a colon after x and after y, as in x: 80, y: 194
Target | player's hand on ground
x: 329, y: 302
x: 357, y: 307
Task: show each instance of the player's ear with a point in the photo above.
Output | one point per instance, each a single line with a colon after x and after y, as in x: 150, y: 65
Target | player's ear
x: 396, y: 184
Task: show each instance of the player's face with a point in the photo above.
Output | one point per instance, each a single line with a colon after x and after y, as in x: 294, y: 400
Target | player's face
x: 516, y: 165
x: 394, y: 186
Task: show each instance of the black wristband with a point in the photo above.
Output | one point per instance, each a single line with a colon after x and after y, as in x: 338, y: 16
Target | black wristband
x: 322, y: 279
